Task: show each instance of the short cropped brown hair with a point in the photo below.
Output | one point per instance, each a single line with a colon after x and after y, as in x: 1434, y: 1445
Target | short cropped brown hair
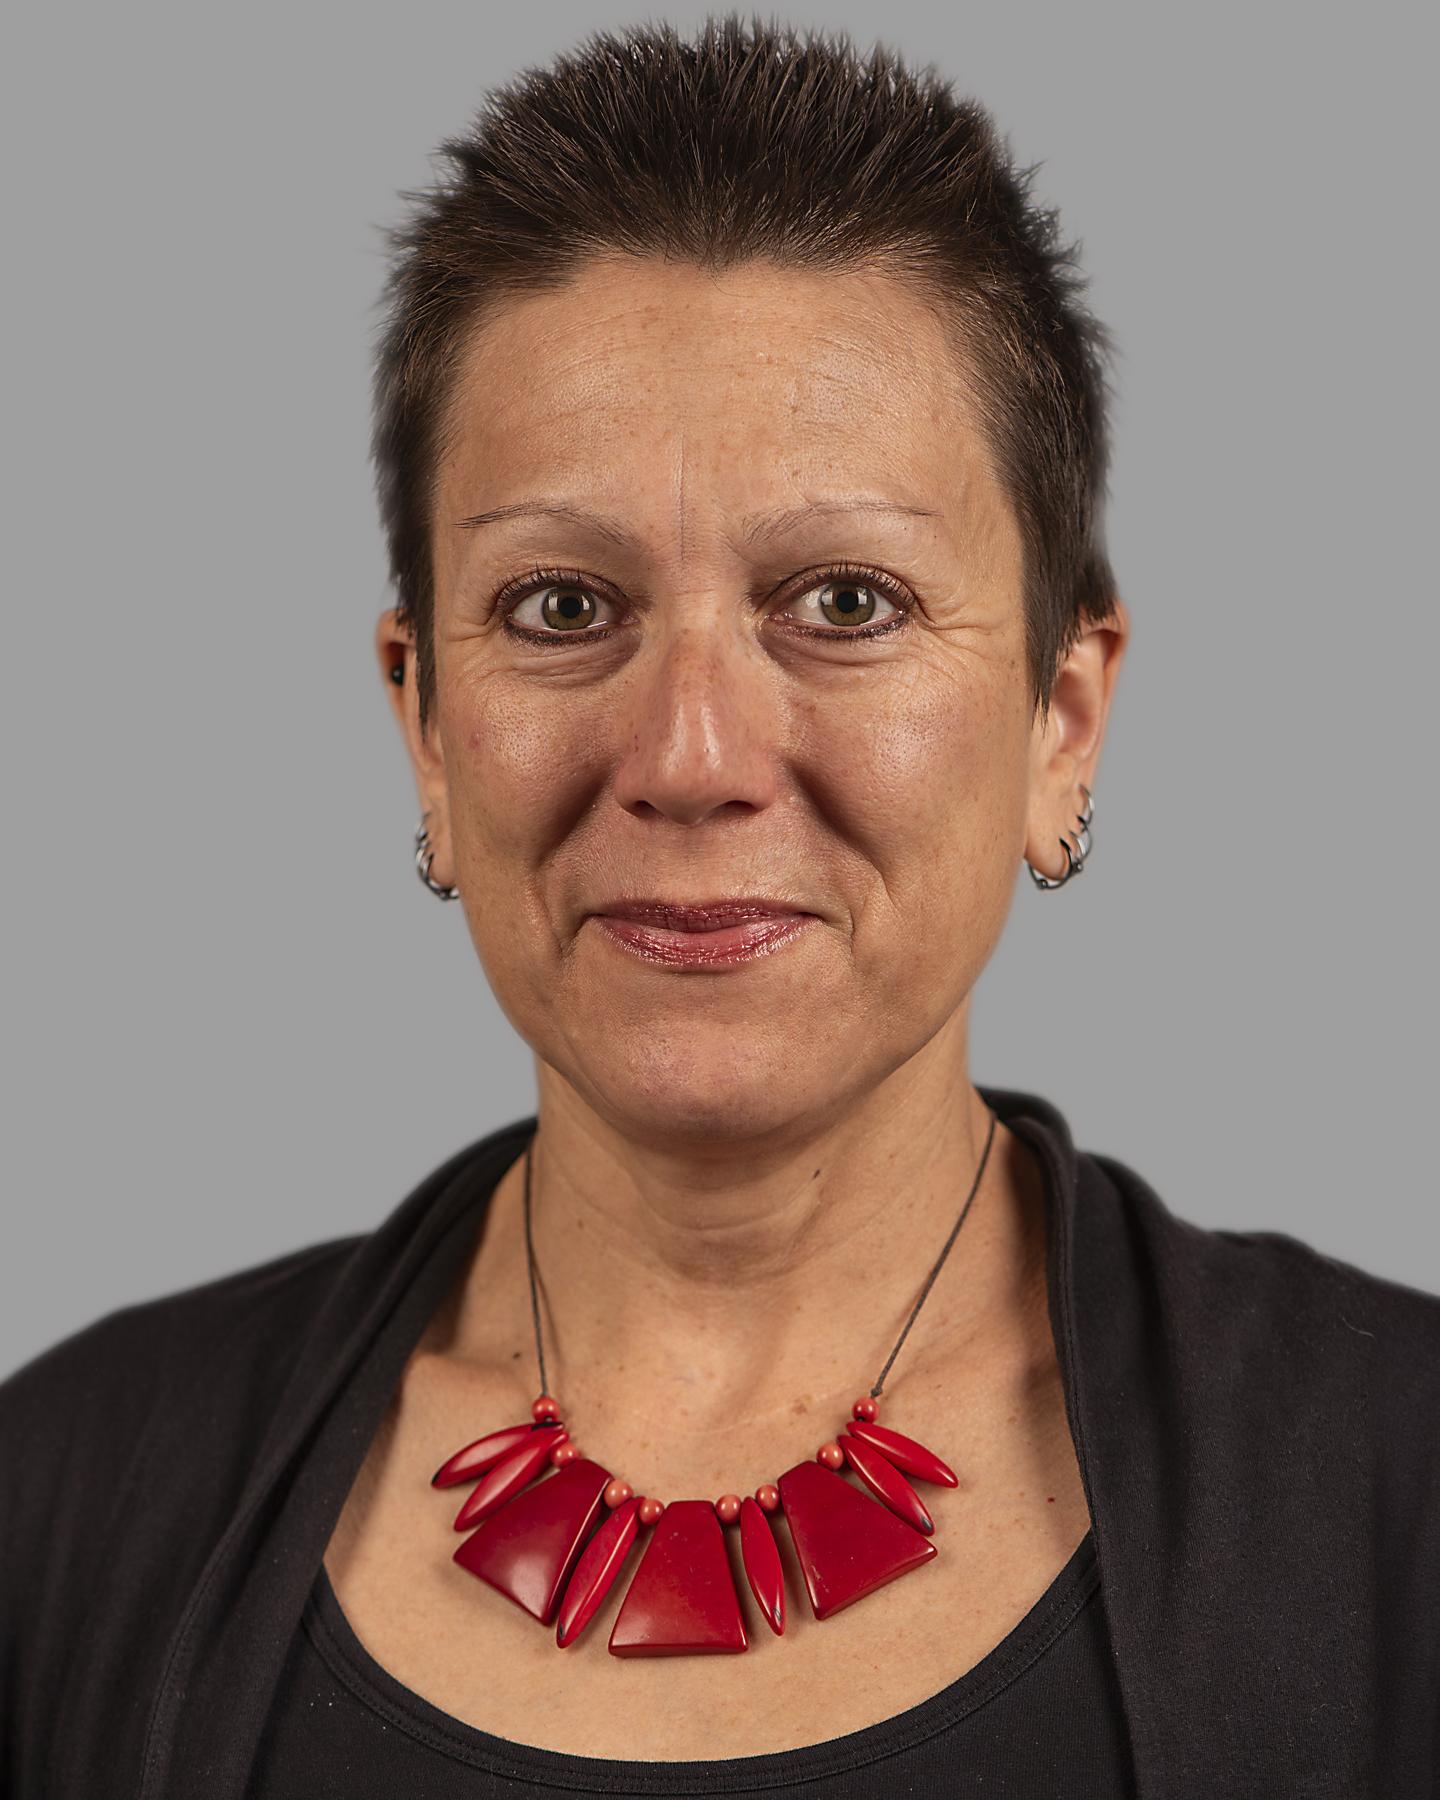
x: 744, y: 143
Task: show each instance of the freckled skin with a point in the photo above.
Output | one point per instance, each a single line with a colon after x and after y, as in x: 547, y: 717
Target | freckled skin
x: 893, y: 786
x: 748, y: 1138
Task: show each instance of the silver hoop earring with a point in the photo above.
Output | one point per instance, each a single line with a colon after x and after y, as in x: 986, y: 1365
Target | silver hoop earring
x: 424, y: 856
x: 1075, y: 858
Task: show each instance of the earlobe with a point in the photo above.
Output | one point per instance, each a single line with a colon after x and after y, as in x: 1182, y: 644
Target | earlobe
x: 424, y: 857
x: 1067, y: 751
x: 1075, y: 844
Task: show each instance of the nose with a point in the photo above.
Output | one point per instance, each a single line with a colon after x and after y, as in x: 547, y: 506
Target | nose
x: 699, y: 734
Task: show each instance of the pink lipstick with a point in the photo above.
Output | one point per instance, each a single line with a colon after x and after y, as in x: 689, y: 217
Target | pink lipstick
x: 701, y: 934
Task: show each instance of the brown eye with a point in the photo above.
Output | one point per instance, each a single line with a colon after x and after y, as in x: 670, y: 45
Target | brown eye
x: 848, y: 602
x: 566, y: 608
x: 843, y: 602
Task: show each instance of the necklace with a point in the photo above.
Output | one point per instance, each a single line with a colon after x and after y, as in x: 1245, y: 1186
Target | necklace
x: 539, y: 1546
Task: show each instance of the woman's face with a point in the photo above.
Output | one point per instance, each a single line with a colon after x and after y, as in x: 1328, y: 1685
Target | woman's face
x: 704, y: 718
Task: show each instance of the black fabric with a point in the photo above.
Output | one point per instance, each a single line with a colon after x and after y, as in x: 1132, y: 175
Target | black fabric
x: 1040, y: 1716
x: 1255, y: 1425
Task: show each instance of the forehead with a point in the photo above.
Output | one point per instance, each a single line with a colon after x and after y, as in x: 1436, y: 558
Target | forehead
x: 641, y: 378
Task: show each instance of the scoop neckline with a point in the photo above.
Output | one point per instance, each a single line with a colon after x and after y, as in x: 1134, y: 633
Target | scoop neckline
x: 1061, y: 1604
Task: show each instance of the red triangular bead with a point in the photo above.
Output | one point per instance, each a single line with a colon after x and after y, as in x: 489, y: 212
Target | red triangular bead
x: 904, y: 1452
x: 847, y: 1543
x: 886, y: 1483
x: 528, y: 1548
x: 475, y: 1458
x: 600, y: 1562
x: 683, y: 1596
x: 761, y: 1555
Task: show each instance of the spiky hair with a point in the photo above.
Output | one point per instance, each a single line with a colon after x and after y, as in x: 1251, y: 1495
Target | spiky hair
x: 745, y: 142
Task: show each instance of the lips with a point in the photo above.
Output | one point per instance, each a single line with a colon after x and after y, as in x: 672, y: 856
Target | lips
x: 706, y: 934
x: 706, y: 915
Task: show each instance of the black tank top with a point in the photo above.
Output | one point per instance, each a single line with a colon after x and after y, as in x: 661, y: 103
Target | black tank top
x: 1039, y: 1716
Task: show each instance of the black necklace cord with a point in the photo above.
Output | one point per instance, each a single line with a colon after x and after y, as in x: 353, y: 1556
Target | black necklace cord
x: 530, y: 1259
x: 929, y: 1279
x: 954, y: 1233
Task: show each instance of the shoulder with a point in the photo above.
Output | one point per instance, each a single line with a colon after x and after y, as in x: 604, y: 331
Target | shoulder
x: 1261, y: 1283
x: 123, y: 1392
x: 117, y: 1353
x: 1266, y: 1350
x: 1257, y: 1419
x: 228, y: 1346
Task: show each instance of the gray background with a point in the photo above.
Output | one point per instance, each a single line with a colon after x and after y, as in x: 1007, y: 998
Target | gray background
x: 236, y: 1024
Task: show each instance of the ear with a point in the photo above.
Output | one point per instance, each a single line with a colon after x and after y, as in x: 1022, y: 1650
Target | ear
x: 1065, y: 750
x: 395, y: 648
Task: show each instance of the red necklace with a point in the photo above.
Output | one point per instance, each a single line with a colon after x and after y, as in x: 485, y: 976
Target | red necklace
x: 534, y: 1544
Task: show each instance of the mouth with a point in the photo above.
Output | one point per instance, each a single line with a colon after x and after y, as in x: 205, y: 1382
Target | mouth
x: 702, y: 934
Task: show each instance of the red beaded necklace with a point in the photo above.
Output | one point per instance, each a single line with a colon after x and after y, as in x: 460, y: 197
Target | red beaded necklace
x: 534, y: 1544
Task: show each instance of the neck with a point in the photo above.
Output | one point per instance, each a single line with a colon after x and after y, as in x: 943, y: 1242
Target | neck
x: 686, y: 1291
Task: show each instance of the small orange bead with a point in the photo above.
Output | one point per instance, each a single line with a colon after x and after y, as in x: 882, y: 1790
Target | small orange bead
x: 564, y: 1453
x: 831, y: 1455
x: 559, y: 1438
x: 544, y: 1408
x: 769, y: 1496
x: 866, y: 1409
x: 649, y: 1510
x: 728, y: 1508
x: 617, y: 1492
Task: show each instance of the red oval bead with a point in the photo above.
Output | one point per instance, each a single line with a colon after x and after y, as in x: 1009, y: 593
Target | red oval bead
x: 564, y: 1453
x: 905, y: 1453
x: 505, y: 1479
x: 545, y: 1408
x: 650, y: 1509
x: 831, y: 1455
x: 864, y: 1408
x: 475, y: 1458
x: 761, y: 1556
x: 617, y: 1492
x: 886, y: 1483
x: 768, y: 1496
x: 600, y: 1562
x: 727, y: 1508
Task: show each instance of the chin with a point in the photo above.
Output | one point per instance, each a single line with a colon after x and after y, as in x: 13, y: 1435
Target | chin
x: 697, y: 1093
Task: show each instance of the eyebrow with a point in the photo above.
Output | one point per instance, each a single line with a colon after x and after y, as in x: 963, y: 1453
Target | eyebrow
x: 754, y: 529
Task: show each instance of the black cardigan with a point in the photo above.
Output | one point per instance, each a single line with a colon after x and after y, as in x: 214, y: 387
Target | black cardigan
x: 1256, y: 1426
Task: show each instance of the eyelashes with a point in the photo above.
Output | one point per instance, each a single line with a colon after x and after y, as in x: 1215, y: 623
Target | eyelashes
x: 851, y: 575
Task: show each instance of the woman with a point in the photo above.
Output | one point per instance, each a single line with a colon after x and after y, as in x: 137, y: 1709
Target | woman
x: 740, y: 434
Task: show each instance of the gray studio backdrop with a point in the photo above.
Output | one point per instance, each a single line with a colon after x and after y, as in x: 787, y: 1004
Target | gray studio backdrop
x: 236, y: 1024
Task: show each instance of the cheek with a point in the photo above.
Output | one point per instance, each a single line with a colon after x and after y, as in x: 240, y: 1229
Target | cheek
x: 514, y: 775
x: 933, y: 784
x: 520, y: 776
x: 520, y: 767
